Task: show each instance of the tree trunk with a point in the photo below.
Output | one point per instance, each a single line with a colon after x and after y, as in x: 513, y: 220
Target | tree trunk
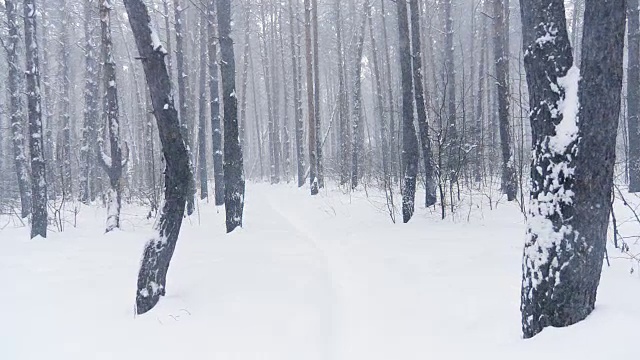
x: 500, y: 46
x: 15, y: 110
x: 65, y: 103
x: 202, y: 108
x: 356, y: 140
x: 216, y: 131
x: 183, y: 91
x: 423, y: 125
x: 159, y: 250
x: 34, y: 108
x: 410, y: 153
x: 633, y: 94
x: 297, y: 99
x: 114, y: 163
x: 313, y: 159
x: 451, y: 133
x: 91, y: 110
x: 316, y: 94
x: 233, y: 168
x: 572, y: 170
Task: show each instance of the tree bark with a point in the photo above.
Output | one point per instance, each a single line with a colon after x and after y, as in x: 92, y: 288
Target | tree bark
x: 423, y: 125
x: 159, y: 250
x: 216, y: 130
x: 500, y: 46
x: 297, y: 98
x: 572, y: 170
x: 15, y: 110
x: 633, y: 94
x: 34, y: 108
x: 202, y: 108
x: 91, y: 110
x: 233, y: 168
x: 114, y: 163
x: 410, y: 153
x: 313, y: 159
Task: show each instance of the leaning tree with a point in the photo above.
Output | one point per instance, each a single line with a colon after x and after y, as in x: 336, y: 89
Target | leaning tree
x: 159, y: 250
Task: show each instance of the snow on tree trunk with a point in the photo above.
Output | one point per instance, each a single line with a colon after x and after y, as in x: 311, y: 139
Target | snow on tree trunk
x: 159, y: 250
x: 15, y: 109
x: 574, y: 118
x: 216, y: 131
x: 429, y: 172
x: 34, y: 108
x: 410, y: 153
x: 202, y: 108
x: 233, y: 167
x: 91, y: 110
x: 65, y: 102
x: 184, y: 92
x: 114, y: 162
x: 316, y: 94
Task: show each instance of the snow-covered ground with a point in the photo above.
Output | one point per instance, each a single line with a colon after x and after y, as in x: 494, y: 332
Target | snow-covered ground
x: 329, y: 277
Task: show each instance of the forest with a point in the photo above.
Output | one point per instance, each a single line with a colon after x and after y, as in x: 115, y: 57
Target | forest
x: 319, y: 179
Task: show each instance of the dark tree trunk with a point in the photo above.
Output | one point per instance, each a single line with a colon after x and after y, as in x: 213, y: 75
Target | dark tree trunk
x: 216, y: 130
x: 233, y: 168
x: 410, y: 155
x: 184, y: 92
x: 500, y: 46
x: 633, y: 94
x: 15, y: 110
x: 393, y: 146
x: 313, y: 159
x: 34, y: 108
x: 343, y: 107
x: 423, y: 125
x: 572, y: 171
x: 356, y: 140
x: 451, y: 133
x: 202, y: 108
x: 159, y: 250
x: 113, y: 164
x: 316, y: 94
x: 65, y: 103
x: 91, y: 110
x: 297, y: 99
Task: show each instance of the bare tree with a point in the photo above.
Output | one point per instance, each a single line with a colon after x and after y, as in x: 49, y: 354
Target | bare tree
x: 34, y: 108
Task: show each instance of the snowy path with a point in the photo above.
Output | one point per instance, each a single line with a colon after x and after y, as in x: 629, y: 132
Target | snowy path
x: 328, y: 277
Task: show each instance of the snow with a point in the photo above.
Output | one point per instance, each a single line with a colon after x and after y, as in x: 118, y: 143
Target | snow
x: 155, y: 40
x: 568, y: 106
x: 325, y: 277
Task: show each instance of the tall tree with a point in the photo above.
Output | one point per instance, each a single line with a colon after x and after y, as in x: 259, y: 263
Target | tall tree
x: 183, y: 89
x: 316, y: 93
x: 91, y: 110
x: 500, y: 48
x: 313, y: 149
x: 233, y: 167
x: 423, y: 125
x: 410, y: 155
x: 65, y: 102
x: 633, y: 93
x: 357, y: 123
x: 34, y: 108
x: 159, y: 250
x: 15, y: 109
x: 572, y: 169
x: 451, y: 132
x: 216, y: 130
x: 115, y: 161
x: 297, y: 97
x: 202, y: 109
